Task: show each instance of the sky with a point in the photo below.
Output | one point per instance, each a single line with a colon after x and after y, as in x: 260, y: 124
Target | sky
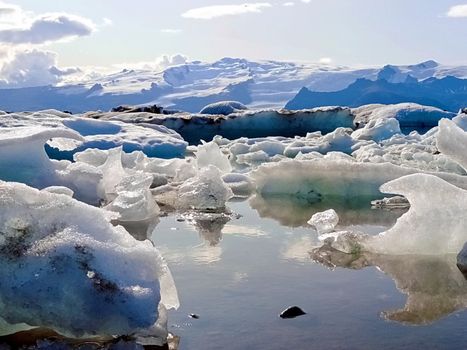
x: 79, y: 33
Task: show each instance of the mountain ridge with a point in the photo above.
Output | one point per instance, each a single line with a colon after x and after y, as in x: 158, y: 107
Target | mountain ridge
x: 192, y: 85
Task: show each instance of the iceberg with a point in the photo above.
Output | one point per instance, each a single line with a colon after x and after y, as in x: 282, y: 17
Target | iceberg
x: 153, y: 140
x: 223, y: 108
x: 65, y: 267
x: 312, y: 180
x: 435, y: 223
x: 210, y: 154
x: 207, y: 191
x: 452, y: 141
x: 325, y: 221
x: 378, y: 130
x: 23, y: 159
x: 249, y: 123
x: 407, y: 114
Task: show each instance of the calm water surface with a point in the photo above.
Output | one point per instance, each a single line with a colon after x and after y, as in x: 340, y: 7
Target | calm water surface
x: 239, y: 274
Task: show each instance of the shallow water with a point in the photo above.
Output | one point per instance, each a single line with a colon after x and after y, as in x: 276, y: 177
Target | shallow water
x: 239, y: 275
x: 238, y: 272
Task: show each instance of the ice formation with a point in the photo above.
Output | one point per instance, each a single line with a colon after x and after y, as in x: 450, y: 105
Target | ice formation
x: 134, y: 200
x: 314, y: 179
x: 153, y: 140
x: 210, y: 154
x: 65, y: 267
x: 117, y: 165
x: 23, y: 159
x: 435, y: 223
x: 250, y: 123
x: 223, y: 108
x: 22, y: 155
x: 207, y: 191
x: 378, y: 130
x: 325, y: 221
x: 407, y: 114
x: 452, y: 141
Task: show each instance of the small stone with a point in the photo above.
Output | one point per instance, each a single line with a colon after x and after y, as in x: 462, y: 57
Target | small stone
x: 292, y: 312
x: 195, y: 316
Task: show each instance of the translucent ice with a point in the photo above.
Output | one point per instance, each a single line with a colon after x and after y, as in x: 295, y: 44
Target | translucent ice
x: 204, y: 192
x: 435, y: 223
x: 378, y: 130
x: 210, y: 154
x: 325, y: 221
x: 313, y: 179
x: 65, y: 267
x: 452, y: 141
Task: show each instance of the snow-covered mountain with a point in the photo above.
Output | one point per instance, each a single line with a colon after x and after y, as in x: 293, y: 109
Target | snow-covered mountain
x: 192, y: 85
x: 448, y: 93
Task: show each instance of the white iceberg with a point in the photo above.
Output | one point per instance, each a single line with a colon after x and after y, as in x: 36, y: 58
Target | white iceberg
x: 65, y: 267
x: 435, y: 223
x: 325, y: 221
x: 207, y: 191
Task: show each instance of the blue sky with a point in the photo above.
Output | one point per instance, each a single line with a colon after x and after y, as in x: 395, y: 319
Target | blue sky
x: 349, y: 32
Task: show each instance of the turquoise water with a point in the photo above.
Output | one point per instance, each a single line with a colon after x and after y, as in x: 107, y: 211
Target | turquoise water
x: 238, y: 275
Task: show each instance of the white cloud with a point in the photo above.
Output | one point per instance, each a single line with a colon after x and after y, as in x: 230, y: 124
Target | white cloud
x: 48, y: 28
x: 106, y: 22
x: 288, y: 4
x: 160, y: 63
x: 306, y: 1
x: 8, y: 9
x: 29, y: 68
x: 325, y: 60
x: 457, y: 11
x: 210, y: 12
x: 167, y: 61
x: 18, y: 26
x: 171, y: 31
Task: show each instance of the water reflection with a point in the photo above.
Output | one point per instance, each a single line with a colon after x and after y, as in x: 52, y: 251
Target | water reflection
x: 208, y: 225
x: 141, y: 230
x: 292, y: 212
x: 434, y: 286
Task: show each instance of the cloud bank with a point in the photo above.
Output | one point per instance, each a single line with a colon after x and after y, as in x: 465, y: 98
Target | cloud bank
x: 23, y: 61
x: 210, y: 12
x: 29, y: 68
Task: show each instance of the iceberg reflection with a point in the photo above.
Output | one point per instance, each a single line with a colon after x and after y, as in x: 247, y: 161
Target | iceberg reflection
x: 434, y: 286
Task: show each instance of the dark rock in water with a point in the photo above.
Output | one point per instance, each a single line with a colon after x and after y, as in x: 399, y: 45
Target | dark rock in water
x: 396, y: 202
x: 195, y: 316
x: 292, y: 312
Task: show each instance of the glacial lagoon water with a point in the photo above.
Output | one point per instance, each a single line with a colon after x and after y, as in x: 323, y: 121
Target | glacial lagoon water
x: 237, y: 274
